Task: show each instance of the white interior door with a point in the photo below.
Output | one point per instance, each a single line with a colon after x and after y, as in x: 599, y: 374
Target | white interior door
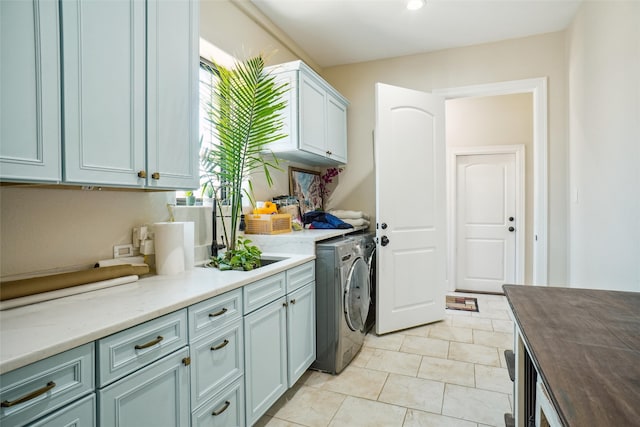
x: 410, y: 208
x: 486, y: 221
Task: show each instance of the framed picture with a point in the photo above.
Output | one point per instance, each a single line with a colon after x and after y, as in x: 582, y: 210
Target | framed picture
x: 305, y: 185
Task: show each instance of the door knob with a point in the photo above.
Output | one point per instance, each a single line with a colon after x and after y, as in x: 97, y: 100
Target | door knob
x: 511, y: 229
x: 384, y: 226
x: 511, y: 218
x: 384, y: 241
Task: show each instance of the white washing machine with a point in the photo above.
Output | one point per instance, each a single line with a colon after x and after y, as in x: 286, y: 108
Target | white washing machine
x: 342, y: 302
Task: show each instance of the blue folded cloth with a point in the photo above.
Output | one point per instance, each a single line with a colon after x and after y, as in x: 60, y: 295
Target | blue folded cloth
x: 320, y: 219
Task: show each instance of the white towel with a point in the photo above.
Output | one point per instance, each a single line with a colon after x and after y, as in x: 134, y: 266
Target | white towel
x: 357, y: 222
x: 344, y: 214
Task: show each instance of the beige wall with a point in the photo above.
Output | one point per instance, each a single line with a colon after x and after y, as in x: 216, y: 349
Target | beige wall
x: 43, y: 229
x: 603, y: 51
x: 531, y: 57
x: 497, y: 120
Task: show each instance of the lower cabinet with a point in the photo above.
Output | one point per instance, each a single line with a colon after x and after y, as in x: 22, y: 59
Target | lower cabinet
x: 280, y: 342
x: 265, y: 349
x: 301, y: 331
x: 156, y: 395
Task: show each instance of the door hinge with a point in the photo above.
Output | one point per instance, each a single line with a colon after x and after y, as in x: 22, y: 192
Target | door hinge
x: 186, y: 361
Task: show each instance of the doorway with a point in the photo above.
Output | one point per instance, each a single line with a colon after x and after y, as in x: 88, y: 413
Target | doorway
x: 537, y: 246
x: 488, y: 204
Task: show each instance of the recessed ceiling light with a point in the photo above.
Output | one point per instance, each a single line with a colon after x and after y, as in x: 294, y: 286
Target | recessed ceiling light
x: 415, y: 4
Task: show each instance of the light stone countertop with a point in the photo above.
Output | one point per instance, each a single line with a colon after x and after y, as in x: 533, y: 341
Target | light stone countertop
x: 37, y: 331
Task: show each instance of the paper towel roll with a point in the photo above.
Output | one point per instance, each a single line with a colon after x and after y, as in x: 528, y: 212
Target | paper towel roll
x: 169, y: 246
x: 189, y: 245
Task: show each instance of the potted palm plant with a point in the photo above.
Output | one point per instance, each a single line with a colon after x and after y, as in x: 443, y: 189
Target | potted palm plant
x: 245, y: 111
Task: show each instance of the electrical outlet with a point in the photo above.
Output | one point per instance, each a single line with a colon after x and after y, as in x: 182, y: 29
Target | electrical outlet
x: 120, y: 251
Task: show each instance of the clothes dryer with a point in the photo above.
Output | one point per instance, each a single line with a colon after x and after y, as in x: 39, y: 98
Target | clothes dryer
x: 368, y: 245
x: 342, y: 303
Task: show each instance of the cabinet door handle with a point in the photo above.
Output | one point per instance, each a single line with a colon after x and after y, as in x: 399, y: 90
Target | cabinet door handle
x: 27, y: 397
x: 149, y: 344
x: 293, y: 301
x: 155, y: 175
x: 221, y: 410
x: 218, y: 347
x: 284, y: 304
x: 142, y: 174
x: 219, y: 313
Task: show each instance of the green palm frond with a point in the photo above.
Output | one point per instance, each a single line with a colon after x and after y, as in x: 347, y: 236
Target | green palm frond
x: 245, y: 112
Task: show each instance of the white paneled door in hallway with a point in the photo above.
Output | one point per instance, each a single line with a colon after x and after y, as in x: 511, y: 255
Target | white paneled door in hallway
x: 486, y: 221
x: 410, y: 208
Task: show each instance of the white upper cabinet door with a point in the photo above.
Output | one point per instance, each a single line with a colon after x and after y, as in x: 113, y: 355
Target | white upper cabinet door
x: 30, y: 87
x: 312, y: 116
x: 336, y: 129
x: 104, y: 91
x: 172, y: 94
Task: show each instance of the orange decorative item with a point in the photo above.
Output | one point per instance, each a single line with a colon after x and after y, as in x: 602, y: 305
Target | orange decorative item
x: 267, y: 224
x: 267, y: 208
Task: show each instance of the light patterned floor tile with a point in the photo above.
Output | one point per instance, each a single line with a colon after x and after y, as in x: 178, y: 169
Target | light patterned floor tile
x: 395, y: 362
x: 356, y: 412
x: 425, y: 346
x: 425, y: 419
x: 473, y: 323
x: 502, y: 326
x: 385, y: 342
x: 480, y: 406
x: 308, y: 406
x: 493, y: 339
x: 494, y: 379
x: 492, y: 313
x: 362, y: 357
x: 416, y: 393
x: 474, y: 353
x: 268, y: 421
x: 451, y: 333
x: 448, y: 371
x: 359, y: 382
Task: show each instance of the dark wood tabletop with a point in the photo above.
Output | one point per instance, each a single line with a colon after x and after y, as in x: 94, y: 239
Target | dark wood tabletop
x: 585, y: 344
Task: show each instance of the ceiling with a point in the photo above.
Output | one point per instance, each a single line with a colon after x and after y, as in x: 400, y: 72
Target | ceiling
x: 336, y: 32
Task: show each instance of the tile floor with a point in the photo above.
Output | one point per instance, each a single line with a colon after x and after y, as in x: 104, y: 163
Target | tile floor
x: 447, y: 374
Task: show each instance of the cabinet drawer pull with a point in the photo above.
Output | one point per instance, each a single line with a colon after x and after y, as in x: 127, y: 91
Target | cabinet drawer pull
x: 149, y: 344
x: 32, y: 395
x: 155, y: 175
x: 218, y: 347
x: 219, y: 313
x: 221, y: 410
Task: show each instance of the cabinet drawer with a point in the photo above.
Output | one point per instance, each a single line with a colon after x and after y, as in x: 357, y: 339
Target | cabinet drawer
x: 224, y: 409
x: 263, y: 292
x: 131, y: 349
x: 301, y: 275
x: 60, y: 379
x: 216, y: 360
x: 208, y: 315
x: 156, y: 395
x: 81, y: 414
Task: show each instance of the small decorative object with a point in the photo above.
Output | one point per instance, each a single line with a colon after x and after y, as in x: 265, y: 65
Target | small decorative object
x: 306, y: 186
x: 190, y: 198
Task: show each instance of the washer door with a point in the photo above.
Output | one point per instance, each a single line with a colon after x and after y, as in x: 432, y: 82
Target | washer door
x: 356, y: 295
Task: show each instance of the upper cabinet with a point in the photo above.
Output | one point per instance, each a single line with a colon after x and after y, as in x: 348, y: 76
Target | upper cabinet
x: 315, y: 118
x: 130, y: 93
x: 30, y: 87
